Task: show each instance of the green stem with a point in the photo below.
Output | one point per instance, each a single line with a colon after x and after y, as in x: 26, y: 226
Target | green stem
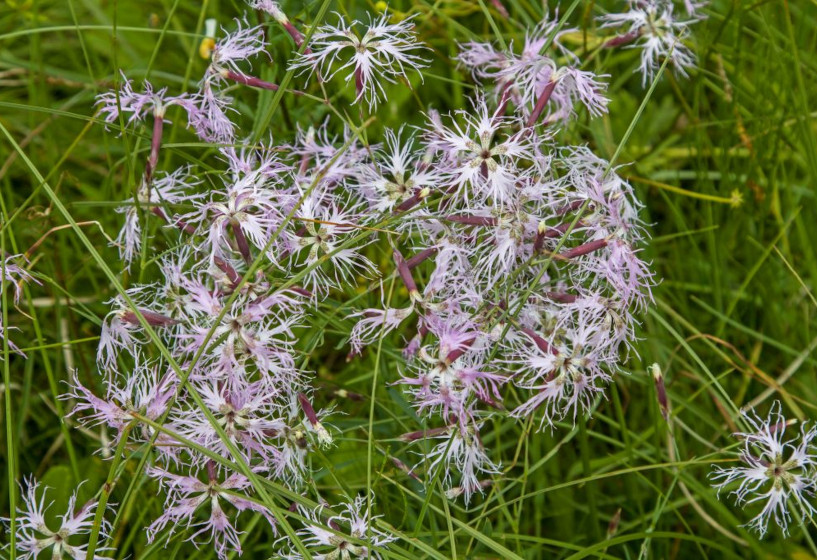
x: 107, y: 488
x: 10, y: 451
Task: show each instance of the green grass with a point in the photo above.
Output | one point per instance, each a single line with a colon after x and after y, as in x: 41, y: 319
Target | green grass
x: 735, y: 310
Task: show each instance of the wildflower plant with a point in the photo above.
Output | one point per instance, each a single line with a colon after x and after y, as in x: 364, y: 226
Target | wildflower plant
x: 481, y: 268
x: 775, y: 471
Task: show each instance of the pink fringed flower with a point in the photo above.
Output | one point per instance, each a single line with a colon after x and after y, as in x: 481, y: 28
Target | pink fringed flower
x: 139, y: 105
x: 363, y: 541
x: 187, y: 495
x: 651, y: 26
x: 383, y: 52
x: 34, y: 536
x: 776, y: 471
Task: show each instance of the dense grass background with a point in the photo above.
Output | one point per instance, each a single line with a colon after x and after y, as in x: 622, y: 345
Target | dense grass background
x: 734, y: 313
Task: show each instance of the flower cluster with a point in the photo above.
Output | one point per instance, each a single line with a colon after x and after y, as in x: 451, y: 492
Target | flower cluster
x: 517, y: 256
x: 534, y: 279
x: 775, y: 470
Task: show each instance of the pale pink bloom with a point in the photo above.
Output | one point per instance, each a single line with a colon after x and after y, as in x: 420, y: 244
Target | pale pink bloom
x: 528, y: 76
x: 374, y: 323
x: 693, y: 6
x: 274, y: 9
x: 246, y: 411
x: 237, y: 47
x: 255, y: 334
x: 12, y: 347
x: 619, y: 267
x: 504, y: 244
x: 563, y: 376
x: 172, y: 188
x: 480, y: 158
x: 449, y: 375
x: 188, y: 293
x: 242, y: 214
x: 659, y: 35
x: 139, y: 105
x: 319, y: 247
x: 260, y: 164
x: 300, y: 435
x: 320, y: 150
x: 383, y: 52
x: 398, y: 174
x: 186, y: 495
x: 144, y: 391
x: 118, y: 334
x: 461, y: 450
x: 34, y: 536
x: 209, y: 116
x: 774, y: 470
x: 452, y: 267
x: 363, y: 541
x: 12, y: 273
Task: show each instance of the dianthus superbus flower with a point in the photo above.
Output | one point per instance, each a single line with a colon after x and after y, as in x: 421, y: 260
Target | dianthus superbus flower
x: 171, y: 188
x: 234, y: 50
x: 459, y: 454
x: 481, y: 157
x: 383, y: 52
x: 34, y: 536
x: 139, y: 105
x: 363, y: 541
x: 187, y: 495
x: 776, y: 471
x: 532, y: 78
x: 145, y: 391
x: 652, y: 26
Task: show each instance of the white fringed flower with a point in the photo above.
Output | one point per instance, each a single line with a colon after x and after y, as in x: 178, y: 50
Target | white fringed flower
x: 776, y: 471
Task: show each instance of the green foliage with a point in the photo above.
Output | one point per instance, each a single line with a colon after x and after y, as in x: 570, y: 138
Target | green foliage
x: 734, y: 312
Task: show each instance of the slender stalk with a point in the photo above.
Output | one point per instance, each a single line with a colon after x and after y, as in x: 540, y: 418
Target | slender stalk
x: 10, y: 451
x: 107, y: 488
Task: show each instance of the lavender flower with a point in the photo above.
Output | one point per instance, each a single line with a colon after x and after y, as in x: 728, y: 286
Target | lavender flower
x: 651, y: 26
x: 209, y: 119
x: 382, y: 52
x: 566, y: 376
x: 172, y: 188
x: 402, y: 174
x: 187, y: 495
x: 363, y: 539
x: 532, y: 78
x: 461, y: 450
x: 236, y: 47
x: 15, y: 275
x: 246, y: 411
x: 244, y: 213
x: 480, y: 160
x: 34, y: 536
x: 274, y: 9
x: 317, y: 245
x: 145, y: 392
x: 778, y: 472
x: 448, y: 376
x: 138, y: 105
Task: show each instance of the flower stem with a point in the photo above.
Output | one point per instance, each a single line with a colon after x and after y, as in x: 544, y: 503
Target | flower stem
x: 107, y: 488
x: 540, y: 104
